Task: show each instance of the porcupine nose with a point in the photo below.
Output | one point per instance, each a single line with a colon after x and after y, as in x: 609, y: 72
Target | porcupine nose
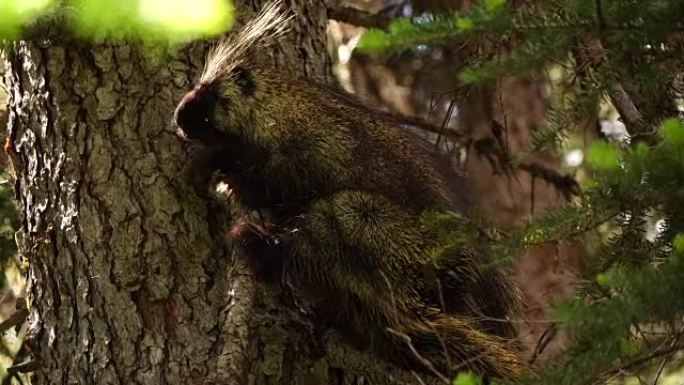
x: 192, y: 113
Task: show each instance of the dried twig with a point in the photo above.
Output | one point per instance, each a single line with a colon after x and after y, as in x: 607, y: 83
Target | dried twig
x: 24, y: 367
x: 500, y: 159
x: 417, y: 355
x: 15, y: 319
x: 645, y: 358
x: 566, y: 184
x: 665, y: 361
x: 546, y: 337
x: 417, y: 377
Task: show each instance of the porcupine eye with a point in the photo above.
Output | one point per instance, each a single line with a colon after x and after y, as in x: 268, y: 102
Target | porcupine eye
x: 244, y: 80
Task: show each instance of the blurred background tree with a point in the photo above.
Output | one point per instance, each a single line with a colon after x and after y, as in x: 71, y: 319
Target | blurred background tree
x: 610, y: 70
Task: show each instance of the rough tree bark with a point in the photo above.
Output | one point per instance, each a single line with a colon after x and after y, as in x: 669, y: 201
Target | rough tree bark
x: 130, y: 279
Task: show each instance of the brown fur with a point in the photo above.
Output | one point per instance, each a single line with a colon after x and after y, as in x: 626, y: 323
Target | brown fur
x: 345, y: 189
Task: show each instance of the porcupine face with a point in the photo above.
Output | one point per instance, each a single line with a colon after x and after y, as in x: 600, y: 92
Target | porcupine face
x: 264, y: 122
x: 222, y: 103
x: 214, y: 113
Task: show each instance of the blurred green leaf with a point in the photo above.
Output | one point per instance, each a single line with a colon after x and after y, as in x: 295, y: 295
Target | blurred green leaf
x: 603, y: 156
x: 146, y: 19
x: 464, y: 24
x: 467, y: 378
x: 493, y: 5
x: 565, y: 311
x: 679, y: 243
x: 400, y: 26
x: 103, y: 18
x: 373, y: 40
x: 641, y: 150
x: 628, y: 348
x: 673, y: 131
x: 603, y: 279
x: 15, y: 13
x: 203, y: 17
x: 470, y: 75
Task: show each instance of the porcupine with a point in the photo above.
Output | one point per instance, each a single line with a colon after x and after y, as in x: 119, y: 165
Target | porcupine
x: 345, y: 188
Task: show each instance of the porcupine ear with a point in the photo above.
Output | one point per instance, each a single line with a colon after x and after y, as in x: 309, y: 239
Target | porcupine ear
x: 270, y: 24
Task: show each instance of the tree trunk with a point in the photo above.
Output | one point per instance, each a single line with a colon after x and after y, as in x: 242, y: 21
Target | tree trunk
x: 130, y: 277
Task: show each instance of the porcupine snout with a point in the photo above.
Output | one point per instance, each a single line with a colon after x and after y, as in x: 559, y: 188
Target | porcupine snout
x: 192, y: 115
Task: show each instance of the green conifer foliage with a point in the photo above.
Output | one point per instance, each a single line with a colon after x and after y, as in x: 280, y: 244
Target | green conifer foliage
x: 621, y: 55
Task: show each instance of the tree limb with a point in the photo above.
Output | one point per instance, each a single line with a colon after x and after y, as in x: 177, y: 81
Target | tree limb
x: 15, y: 319
x: 636, y: 125
x: 359, y: 18
x: 24, y: 367
x: 646, y: 358
x: 376, y: 370
x: 419, y: 357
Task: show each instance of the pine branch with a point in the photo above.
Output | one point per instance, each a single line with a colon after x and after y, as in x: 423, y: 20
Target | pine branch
x: 500, y: 159
x: 564, y: 183
x: 637, y: 362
